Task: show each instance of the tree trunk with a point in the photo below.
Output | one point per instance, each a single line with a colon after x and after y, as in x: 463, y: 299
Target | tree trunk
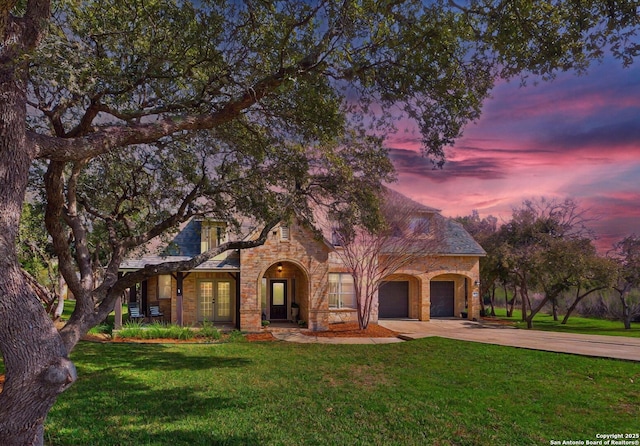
x: 554, y: 310
x: 535, y: 311
x: 493, y: 300
x: 626, y: 311
x: 35, y: 358
x: 576, y: 302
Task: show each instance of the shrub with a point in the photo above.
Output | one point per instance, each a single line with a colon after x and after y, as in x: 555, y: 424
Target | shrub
x: 131, y: 329
x: 102, y: 329
x: 208, y: 331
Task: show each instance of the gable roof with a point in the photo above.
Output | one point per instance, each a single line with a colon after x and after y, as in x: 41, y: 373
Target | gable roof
x: 434, y: 233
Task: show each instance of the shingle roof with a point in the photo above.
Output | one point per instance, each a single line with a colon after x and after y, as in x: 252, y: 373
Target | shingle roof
x: 456, y: 240
x: 444, y: 236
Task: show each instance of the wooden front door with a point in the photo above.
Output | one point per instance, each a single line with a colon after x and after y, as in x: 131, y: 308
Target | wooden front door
x: 214, y: 301
x: 278, y: 299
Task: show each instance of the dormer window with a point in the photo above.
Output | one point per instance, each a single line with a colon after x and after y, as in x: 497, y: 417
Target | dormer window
x: 419, y: 225
x: 212, y: 235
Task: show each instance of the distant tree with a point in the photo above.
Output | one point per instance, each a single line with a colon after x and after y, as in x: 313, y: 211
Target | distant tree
x: 627, y: 254
x: 405, y: 236
x: 485, y: 232
x: 592, y: 273
x: 542, y: 243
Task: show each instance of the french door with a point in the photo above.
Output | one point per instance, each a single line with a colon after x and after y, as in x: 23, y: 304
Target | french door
x: 214, y: 301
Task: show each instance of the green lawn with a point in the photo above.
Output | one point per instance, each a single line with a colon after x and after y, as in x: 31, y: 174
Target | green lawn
x: 431, y: 391
x: 575, y: 324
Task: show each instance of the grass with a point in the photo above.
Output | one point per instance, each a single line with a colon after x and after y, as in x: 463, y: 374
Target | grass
x: 432, y: 391
x: 575, y: 324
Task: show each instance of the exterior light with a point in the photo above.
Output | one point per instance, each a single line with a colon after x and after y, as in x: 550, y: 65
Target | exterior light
x: 279, y: 267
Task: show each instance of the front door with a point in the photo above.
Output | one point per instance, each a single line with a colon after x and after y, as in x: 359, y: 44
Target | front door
x: 214, y: 300
x: 278, y: 299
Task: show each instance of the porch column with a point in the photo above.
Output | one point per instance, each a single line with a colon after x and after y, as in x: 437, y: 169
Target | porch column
x: 179, y: 282
x: 118, y: 317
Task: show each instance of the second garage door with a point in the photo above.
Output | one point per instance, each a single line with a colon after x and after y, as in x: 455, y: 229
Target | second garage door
x: 442, y: 294
x: 393, y: 299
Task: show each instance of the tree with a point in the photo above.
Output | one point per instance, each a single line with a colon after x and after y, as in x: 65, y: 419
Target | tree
x: 595, y: 273
x: 315, y: 83
x: 405, y: 237
x: 485, y: 232
x: 627, y: 254
x: 543, y: 246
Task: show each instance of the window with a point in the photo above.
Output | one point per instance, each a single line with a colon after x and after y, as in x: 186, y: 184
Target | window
x: 164, y: 287
x: 211, y: 235
x: 284, y: 232
x: 341, y: 291
x: 419, y: 225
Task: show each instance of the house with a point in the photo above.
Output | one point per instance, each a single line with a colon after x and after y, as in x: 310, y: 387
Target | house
x: 298, y: 269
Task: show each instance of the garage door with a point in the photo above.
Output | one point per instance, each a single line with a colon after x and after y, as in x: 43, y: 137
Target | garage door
x: 442, y: 294
x: 393, y: 299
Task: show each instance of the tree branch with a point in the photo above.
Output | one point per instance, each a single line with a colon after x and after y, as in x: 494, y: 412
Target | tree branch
x: 106, y: 138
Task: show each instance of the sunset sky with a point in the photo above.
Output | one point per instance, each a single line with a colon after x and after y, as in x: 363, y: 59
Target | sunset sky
x: 576, y: 137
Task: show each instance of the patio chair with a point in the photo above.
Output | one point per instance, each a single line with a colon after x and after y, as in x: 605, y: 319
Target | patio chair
x: 154, y: 312
x: 134, y: 312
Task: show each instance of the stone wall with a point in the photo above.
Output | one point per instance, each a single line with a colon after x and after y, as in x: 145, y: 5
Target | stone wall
x: 305, y: 258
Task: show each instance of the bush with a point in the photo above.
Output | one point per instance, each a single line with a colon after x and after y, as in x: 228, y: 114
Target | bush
x: 102, y: 329
x: 209, y: 331
x: 131, y: 329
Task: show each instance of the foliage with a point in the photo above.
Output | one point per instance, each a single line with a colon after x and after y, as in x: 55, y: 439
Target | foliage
x: 139, y: 330
x: 102, y: 329
x: 35, y: 252
x: 208, y: 330
x: 547, y: 247
x: 492, y: 273
x: 429, y: 391
x: 627, y: 254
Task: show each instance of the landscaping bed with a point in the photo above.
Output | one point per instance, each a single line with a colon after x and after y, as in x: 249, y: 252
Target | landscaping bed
x: 352, y: 330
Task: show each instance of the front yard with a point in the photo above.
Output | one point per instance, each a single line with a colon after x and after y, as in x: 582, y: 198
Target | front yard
x: 431, y: 391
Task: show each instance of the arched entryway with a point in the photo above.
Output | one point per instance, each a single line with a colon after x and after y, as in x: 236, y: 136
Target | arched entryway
x: 449, y: 296
x: 399, y: 297
x: 284, y: 293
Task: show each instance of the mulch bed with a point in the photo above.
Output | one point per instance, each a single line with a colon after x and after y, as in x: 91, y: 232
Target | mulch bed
x: 259, y: 337
x: 495, y: 320
x: 352, y: 330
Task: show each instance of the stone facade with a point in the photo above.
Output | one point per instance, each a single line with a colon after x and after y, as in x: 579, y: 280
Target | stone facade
x: 296, y: 256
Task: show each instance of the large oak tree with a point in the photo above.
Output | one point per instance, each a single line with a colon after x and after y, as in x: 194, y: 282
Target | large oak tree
x: 135, y: 116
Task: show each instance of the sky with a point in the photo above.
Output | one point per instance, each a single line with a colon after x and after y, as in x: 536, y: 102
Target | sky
x: 575, y: 137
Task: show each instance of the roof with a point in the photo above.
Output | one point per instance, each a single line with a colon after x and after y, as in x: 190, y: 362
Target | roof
x: 457, y: 241
x: 231, y: 263
x: 438, y: 235
x: 430, y: 232
x: 183, y: 246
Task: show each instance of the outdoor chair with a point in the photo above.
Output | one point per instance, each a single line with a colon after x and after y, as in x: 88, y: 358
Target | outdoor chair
x: 134, y: 312
x: 154, y: 312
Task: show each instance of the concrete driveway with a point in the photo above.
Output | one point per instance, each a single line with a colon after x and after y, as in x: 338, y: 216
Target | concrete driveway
x: 617, y: 347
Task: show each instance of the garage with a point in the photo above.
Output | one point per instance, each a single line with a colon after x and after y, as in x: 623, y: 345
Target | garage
x: 393, y: 299
x: 442, y: 299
